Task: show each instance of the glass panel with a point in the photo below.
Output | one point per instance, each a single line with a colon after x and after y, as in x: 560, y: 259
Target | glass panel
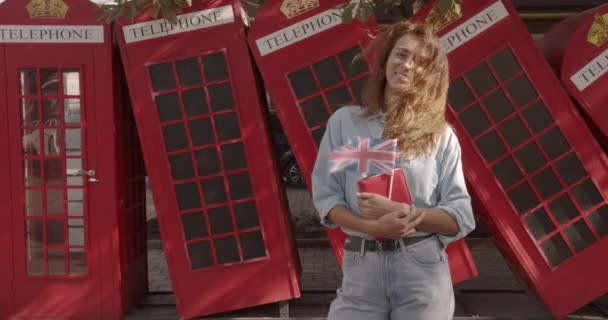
x: 356, y: 87
x: 481, y: 79
x: 587, y: 195
x: 55, y: 232
x: 352, y: 63
x: 71, y: 82
x: 162, y: 77
x: 78, y: 261
x: 50, y: 112
x: 29, y: 112
x: 53, y: 171
x: 51, y: 143
x: 71, y: 111
x: 474, y: 120
x: 459, y: 94
x: 554, y: 143
x: 233, y: 155
x: 214, y: 190
x: 530, y: 157
x: 31, y: 172
x: 73, y: 166
x: 599, y: 220
x: 28, y: 82
x: 337, y: 98
x: 188, y: 72
x: 201, y: 132
x: 49, y: 82
x: 187, y: 196
x: 514, y: 132
x: 328, y: 72
x: 314, y: 111
x: 246, y: 215
x: 220, y: 220
x: 523, y: 198
x: 220, y: 96
x: 33, y: 202
x: 252, y: 244
x: 227, y: 127
x: 240, y: 186
x: 504, y: 64
x: 570, y: 168
x: 175, y: 137
x: 507, y: 172
x: 194, y: 225
x: 56, y: 261
x: 556, y: 250
x: 168, y: 107
x: 498, y: 106
x: 195, y: 102
x: 226, y: 250
x: 54, y: 202
x: 73, y: 142
x: 181, y: 166
x: 30, y: 141
x: 200, y: 255
x: 579, y: 235
x: 35, y: 255
x: 490, y: 146
x: 208, y: 162
x: 539, y: 223
x: 303, y: 83
x: 76, y: 232
x: 563, y: 209
x: 546, y: 183
x: 521, y: 90
x: 215, y: 67
x: 75, y: 202
x: 537, y: 117
x: 317, y: 135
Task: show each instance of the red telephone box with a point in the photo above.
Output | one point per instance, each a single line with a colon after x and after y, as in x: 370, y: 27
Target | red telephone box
x: 307, y: 58
x: 577, y: 48
x: 529, y: 157
x: 73, y: 242
x: 222, y: 213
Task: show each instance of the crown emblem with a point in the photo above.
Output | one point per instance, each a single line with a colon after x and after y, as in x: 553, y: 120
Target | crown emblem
x: 292, y: 8
x: 438, y: 20
x: 598, y: 33
x: 47, y: 9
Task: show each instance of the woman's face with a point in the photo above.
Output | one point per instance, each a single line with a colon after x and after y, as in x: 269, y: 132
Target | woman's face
x: 400, y: 63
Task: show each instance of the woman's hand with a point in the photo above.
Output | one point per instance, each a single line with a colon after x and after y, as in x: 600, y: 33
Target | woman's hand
x: 373, y: 206
x: 397, y: 224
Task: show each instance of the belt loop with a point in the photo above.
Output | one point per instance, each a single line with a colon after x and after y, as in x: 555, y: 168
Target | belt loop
x: 402, y: 244
x: 362, y: 252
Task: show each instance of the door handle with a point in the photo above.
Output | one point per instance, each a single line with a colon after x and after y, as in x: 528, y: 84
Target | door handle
x: 88, y: 173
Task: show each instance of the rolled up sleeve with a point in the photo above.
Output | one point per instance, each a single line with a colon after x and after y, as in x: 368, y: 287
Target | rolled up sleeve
x: 453, y: 195
x: 328, y: 189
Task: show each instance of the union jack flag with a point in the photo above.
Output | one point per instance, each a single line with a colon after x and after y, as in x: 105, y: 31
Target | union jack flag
x: 365, y: 155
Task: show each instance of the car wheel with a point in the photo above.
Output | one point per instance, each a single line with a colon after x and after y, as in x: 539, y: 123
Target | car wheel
x: 293, y: 175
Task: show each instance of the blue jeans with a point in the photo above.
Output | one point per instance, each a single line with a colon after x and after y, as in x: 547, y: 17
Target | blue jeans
x: 407, y: 284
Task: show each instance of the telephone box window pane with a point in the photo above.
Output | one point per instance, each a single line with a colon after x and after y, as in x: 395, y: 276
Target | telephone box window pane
x: 227, y: 127
x: 54, y: 202
x: 221, y: 97
x: 35, y: 257
x: 586, y: 195
x: 175, y: 137
x: 53, y: 171
x: 337, y: 98
x: 317, y: 135
x: 481, y: 79
x: 75, y: 202
x: 33, y: 202
x: 314, y: 111
x: 200, y: 255
x: 71, y: 82
x: 201, y: 132
x: 537, y: 117
x: 195, y: 102
x: 579, y: 235
x: 514, y: 131
x: 56, y: 261
x: 28, y: 82
x: 181, y: 166
x: 521, y: 90
x: 490, y: 146
x: 194, y: 225
x: 570, y: 168
x: 55, y: 232
x: 168, y: 107
x: 530, y: 157
x: 233, y: 155
x: 214, y: 190
x: 32, y: 172
x: 188, y: 72
x: 253, y: 245
x: 556, y: 250
x: 498, y: 106
x: 162, y: 77
x: 459, y: 94
x: 327, y: 72
x: 356, y: 87
x: 240, y: 186
x: 187, y: 196
x: 599, y: 220
x: 504, y: 64
x: 215, y: 67
x: 71, y: 111
x: 76, y: 232
x: 226, y: 250
x: 563, y: 209
x: 302, y: 82
x: 474, y: 120
x: 73, y: 142
x: 50, y: 112
x: 49, y: 82
x: 246, y: 215
x: 78, y: 261
x: 31, y: 144
x: 507, y: 172
x: 554, y: 143
x: 352, y: 64
x: 220, y: 220
x: 207, y: 161
x: 523, y: 198
x: 546, y: 183
x: 539, y: 223
x: 29, y: 111
x: 73, y: 165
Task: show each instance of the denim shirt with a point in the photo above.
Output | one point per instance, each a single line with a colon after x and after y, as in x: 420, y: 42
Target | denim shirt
x: 434, y: 181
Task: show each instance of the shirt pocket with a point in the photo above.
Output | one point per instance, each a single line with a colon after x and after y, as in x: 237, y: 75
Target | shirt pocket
x: 423, y: 177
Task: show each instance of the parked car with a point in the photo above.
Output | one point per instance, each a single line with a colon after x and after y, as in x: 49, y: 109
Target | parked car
x: 290, y: 171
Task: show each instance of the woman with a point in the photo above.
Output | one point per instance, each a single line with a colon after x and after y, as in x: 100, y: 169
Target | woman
x: 407, y: 275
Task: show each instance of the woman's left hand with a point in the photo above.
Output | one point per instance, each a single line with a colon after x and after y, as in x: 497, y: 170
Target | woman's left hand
x: 374, y: 206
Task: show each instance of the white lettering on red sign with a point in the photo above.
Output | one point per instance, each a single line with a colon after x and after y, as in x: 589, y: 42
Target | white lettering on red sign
x: 50, y: 34
x: 591, y: 72
x: 474, y: 26
x: 299, y: 31
x: 185, y: 22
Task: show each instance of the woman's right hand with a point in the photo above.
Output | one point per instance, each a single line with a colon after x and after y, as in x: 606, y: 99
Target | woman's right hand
x: 397, y: 224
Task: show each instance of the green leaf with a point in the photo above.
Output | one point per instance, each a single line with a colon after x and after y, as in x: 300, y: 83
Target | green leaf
x: 445, y: 5
x: 132, y: 12
x: 365, y: 11
x: 347, y: 14
x: 155, y: 11
x: 169, y: 14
